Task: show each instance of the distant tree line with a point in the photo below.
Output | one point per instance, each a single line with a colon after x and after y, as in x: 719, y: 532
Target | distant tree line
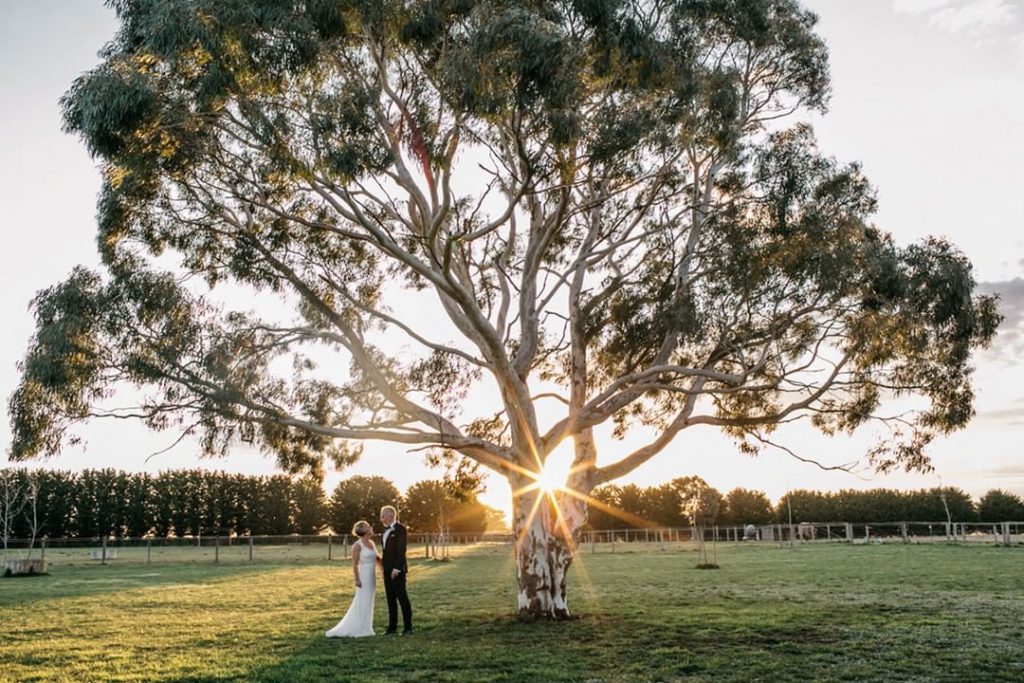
x: 689, y: 500
x: 108, y: 502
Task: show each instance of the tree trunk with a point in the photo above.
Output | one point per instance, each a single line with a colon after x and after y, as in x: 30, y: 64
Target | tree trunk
x: 546, y: 532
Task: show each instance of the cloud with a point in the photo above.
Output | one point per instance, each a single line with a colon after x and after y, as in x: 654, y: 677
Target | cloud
x: 975, y: 16
x: 1018, y: 49
x: 1011, y: 298
x: 1006, y: 477
x: 1011, y: 417
x: 1009, y: 342
x: 1011, y: 470
x: 961, y: 16
x: 918, y: 6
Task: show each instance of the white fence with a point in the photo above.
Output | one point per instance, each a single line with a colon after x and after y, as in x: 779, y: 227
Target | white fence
x: 294, y: 548
x: 1000, y: 533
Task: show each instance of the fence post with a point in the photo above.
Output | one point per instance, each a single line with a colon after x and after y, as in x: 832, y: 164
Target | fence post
x: 216, y: 549
x: 849, y: 532
x: 103, y: 556
x: 250, y: 547
x: 42, y: 549
x: 149, y: 548
x: 328, y: 547
x: 903, y: 530
x: 1006, y: 533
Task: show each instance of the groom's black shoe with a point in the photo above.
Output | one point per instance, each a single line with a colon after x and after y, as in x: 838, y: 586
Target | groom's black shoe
x: 391, y: 632
x: 407, y: 631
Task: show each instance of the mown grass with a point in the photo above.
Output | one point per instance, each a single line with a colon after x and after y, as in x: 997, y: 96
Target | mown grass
x: 835, y: 612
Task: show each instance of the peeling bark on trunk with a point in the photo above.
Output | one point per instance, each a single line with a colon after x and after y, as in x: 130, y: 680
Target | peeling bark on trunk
x: 542, y: 558
x: 545, y: 543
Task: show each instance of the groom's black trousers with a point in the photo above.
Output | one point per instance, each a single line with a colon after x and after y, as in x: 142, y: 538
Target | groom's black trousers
x: 394, y: 588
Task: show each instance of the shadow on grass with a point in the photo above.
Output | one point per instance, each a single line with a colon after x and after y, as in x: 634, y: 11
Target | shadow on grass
x: 594, y: 647
x: 84, y: 579
x: 856, y: 614
x: 72, y: 581
x: 472, y: 648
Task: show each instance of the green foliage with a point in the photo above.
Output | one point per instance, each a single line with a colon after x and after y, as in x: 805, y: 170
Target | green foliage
x: 56, y: 504
x: 272, y: 512
x: 93, y: 503
x: 684, y: 501
x: 743, y: 506
x: 96, y: 508
x: 604, y: 500
x: 672, y: 504
x: 596, y: 197
x: 429, y: 507
x: 361, y: 498
x: 1000, y: 506
x: 663, y: 506
x: 702, y: 504
x: 877, y: 505
x: 310, y: 506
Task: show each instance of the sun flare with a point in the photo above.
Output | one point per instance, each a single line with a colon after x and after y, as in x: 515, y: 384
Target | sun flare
x: 555, y: 472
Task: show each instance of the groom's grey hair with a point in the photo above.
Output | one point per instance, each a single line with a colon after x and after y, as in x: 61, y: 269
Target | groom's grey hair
x: 391, y: 509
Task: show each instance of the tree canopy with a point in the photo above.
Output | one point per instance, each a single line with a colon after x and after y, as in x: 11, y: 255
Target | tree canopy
x: 360, y: 498
x: 596, y: 209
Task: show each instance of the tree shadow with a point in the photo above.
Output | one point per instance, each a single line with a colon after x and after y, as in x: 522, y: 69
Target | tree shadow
x: 71, y: 581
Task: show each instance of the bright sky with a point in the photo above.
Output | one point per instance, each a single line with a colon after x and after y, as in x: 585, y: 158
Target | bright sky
x: 928, y: 95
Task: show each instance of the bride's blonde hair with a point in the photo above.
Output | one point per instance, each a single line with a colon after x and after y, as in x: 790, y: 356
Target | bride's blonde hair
x: 360, y: 528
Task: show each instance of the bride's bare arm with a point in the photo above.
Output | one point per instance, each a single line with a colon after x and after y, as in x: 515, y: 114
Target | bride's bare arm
x: 355, y: 564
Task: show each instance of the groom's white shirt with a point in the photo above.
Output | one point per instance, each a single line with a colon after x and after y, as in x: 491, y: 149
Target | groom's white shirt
x: 384, y: 540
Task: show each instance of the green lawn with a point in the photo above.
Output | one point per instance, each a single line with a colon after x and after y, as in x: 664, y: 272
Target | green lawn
x: 822, y: 612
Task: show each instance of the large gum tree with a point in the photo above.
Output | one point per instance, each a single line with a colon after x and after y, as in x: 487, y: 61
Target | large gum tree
x: 600, y: 211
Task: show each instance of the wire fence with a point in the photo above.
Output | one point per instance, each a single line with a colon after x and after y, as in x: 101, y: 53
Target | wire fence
x: 225, y: 549
x: 217, y: 548
x: 1001, y: 533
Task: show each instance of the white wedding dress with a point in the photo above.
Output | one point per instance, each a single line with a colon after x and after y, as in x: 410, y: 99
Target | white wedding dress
x: 358, y: 621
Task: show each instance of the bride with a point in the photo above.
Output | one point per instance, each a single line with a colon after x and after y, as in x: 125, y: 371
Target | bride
x: 358, y: 621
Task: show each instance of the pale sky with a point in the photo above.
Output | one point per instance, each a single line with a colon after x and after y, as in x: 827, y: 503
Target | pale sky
x: 927, y: 94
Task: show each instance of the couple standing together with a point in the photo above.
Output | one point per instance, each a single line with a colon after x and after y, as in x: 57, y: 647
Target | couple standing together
x: 358, y: 621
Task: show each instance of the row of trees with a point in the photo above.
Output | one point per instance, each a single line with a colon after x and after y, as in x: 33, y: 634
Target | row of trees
x: 190, y: 502
x: 885, y: 505
x: 690, y: 500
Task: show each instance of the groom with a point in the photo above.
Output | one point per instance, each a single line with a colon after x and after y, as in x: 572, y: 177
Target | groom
x: 395, y: 570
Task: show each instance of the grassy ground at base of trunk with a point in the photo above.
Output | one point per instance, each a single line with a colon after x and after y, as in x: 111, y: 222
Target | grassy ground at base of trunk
x: 819, y: 612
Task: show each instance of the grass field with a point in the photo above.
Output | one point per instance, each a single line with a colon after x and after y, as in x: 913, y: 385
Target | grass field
x: 828, y: 612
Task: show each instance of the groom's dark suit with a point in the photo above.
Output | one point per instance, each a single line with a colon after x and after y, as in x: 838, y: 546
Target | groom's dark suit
x: 394, y: 588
